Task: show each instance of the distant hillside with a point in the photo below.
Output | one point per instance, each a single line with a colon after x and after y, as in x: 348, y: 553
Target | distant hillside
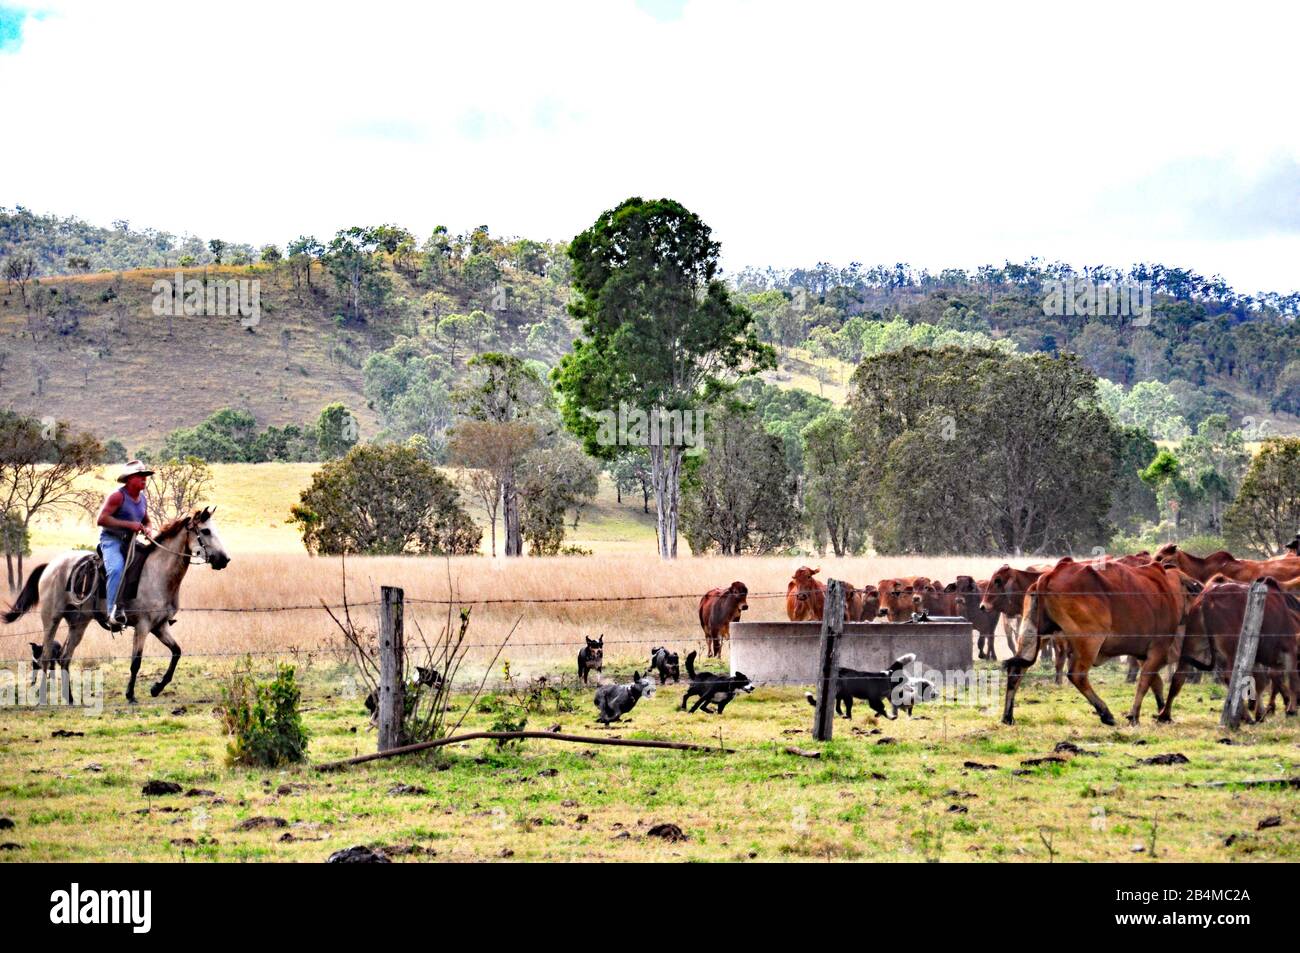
x: 71, y: 246
x: 385, y: 323
x: 124, y: 373
x: 1217, y: 349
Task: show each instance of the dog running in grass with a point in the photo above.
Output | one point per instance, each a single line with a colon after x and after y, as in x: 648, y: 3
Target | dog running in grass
x: 56, y: 653
x: 874, y: 688
x: 909, y: 692
x: 666, y: 664
x: 615, y: 701
x: 715, y: 690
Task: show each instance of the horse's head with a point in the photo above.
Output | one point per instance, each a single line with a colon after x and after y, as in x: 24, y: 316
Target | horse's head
x: 203, y: 540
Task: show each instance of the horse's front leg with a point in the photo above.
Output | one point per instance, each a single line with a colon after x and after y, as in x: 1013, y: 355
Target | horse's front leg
x: 76, y: 629
x: 50, y: 622
x: 164, y: 633
x: 137, y: 649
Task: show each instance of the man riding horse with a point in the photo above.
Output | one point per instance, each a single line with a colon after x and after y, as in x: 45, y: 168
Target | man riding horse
x: 65, y: 596
x: 125, y: 512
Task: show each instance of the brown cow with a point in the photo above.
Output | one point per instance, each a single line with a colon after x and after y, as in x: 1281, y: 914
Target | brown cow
x: 1239, y: 570
x: 1217, y: 613
x: 900, y: 597
x: 1004, y: 592
x: 861, y: 603
x: 938, y: 599
x: 805, y: 597
x: 718, y: 609
x: 966, y: 593
x: 1102, y: 610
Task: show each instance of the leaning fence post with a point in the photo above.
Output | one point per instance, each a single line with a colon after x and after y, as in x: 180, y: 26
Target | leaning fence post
x: 832, y: 628
x: 391, y: 653
x: 1244, y: 663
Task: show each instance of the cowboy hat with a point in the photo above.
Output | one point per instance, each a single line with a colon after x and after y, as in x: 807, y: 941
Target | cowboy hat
x: 131, y: 469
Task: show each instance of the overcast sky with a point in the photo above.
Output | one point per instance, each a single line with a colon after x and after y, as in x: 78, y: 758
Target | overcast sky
x: 937, y: 134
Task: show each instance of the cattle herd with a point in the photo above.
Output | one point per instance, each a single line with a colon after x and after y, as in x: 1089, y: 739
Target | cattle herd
x: 1171, y: 610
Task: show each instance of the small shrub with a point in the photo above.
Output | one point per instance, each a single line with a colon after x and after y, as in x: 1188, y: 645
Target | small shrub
x: 1202, y: 545
x: 262, y: 719
x: 509, y: 718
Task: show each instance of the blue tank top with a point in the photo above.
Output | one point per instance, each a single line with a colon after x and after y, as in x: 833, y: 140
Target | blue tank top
x: 133, y: 511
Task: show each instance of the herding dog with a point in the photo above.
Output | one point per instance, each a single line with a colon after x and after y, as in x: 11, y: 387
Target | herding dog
x: 715, y: 690
x: 666, y: 664
x: 872, y: 687
x: 56, y: 653
x: 909, y: 692
x: 592, y: 657
x: 615, y: 701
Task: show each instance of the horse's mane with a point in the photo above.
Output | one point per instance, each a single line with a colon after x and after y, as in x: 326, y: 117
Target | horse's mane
x: 173, y: 528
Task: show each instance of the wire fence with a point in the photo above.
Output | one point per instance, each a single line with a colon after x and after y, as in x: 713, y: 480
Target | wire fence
x: 645, y: 643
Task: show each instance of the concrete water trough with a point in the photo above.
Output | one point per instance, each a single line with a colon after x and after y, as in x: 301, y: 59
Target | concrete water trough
x: 787, y: 652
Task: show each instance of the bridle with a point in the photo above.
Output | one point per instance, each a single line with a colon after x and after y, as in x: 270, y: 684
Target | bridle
x: 190, y: 558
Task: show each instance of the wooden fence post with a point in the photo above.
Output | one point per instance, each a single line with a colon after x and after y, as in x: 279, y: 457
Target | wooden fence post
x: 832, y: 629
x: 1244, y: 663
x: 391, y: 658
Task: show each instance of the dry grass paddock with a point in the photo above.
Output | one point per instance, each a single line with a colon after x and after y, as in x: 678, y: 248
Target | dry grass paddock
x: 622, y: 592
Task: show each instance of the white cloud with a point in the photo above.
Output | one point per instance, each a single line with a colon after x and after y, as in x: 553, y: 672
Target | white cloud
x: 932, y: 133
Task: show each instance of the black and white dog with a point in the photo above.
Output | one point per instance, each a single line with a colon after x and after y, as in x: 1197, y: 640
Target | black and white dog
x: 615, y: 701
x: 715, y: 690
x: 666, y: 664
x: 874, y: 688
x: 909, y: 692
x: 56, y: 653
x: 592, y: 657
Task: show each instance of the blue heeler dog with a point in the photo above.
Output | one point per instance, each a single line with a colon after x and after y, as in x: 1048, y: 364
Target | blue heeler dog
x: 615, y: 701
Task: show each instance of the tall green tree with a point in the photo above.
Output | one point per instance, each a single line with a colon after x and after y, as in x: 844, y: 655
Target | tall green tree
x: 1266, y: 513
x: 975, y: 450
x: 833, y: 483
x: 511, y: 398
x: 1133, y: 502
x: 739, y: 495
x: 660, y: 332
x: 336, y: 431
x: 554, y: 481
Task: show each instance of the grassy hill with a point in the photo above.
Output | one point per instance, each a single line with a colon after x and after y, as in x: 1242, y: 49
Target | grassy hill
x: 137, y: 382
x: 128, y: 374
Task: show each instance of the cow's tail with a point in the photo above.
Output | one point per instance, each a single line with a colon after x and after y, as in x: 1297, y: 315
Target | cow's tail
x: 690, y: 665
x: 30, y: 595
x: 812, y: 699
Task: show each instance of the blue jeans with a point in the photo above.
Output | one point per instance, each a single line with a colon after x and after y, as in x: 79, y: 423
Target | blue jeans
x: 114, y: 551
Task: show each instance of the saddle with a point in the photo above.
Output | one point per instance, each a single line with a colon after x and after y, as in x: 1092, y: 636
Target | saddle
x: 88, y: 582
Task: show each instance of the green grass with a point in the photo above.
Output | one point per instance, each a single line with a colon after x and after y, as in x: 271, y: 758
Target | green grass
x: 553, y: 801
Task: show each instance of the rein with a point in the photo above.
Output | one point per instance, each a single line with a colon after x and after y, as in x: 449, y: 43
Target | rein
x: 190, y: 557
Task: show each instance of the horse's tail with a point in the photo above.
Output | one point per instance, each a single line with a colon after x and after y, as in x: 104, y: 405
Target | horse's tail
x: 30, y: 595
